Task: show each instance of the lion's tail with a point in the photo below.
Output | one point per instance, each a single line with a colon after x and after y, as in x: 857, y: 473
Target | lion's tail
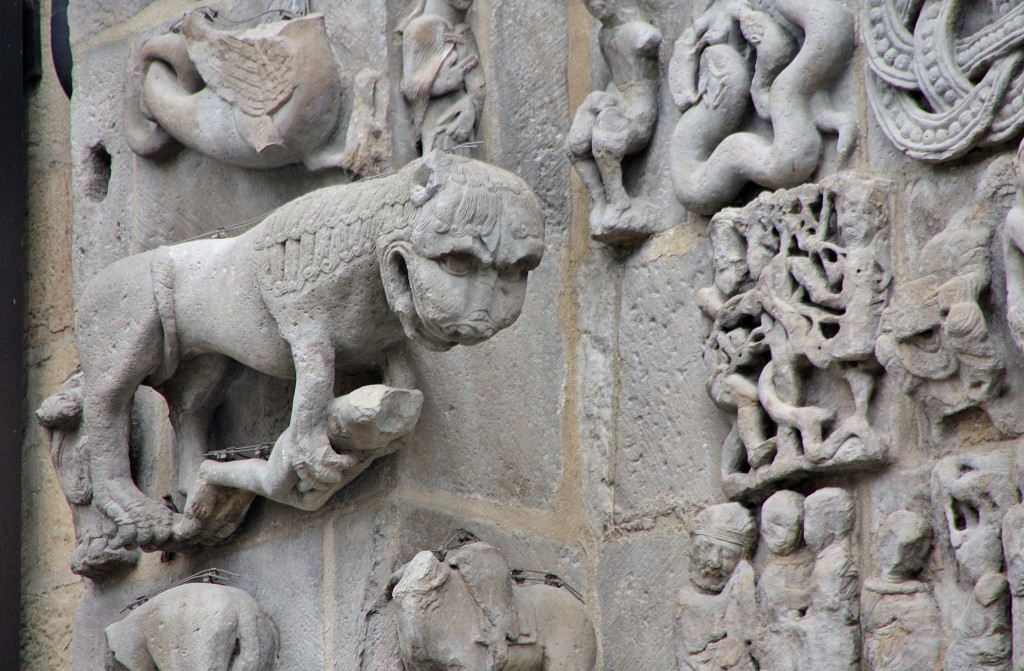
x: 257, y: 641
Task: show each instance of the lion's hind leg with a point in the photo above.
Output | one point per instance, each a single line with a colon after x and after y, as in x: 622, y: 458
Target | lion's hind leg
x: 120, y: 343
x: 193, y: 395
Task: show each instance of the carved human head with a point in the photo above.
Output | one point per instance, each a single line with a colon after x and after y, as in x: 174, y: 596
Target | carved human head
x: 974, y: 490
x: 457, y: 274
x: 828, y: 517
x: 782, y: 522
x: 724, y: 535
x: 861, y: 206
x: 904, y: 542
x: 729, y: 249
x: 602, y: 10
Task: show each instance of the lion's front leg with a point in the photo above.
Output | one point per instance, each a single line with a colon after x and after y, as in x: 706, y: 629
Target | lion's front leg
x: 316, y: 463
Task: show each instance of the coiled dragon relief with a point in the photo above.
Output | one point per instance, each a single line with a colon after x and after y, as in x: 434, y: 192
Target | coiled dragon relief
x: 936, y: 94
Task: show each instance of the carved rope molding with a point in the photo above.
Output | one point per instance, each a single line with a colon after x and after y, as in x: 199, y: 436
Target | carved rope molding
x: 972, y: 87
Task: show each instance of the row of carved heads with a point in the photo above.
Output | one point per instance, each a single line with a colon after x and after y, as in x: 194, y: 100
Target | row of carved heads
x: 799, y: 603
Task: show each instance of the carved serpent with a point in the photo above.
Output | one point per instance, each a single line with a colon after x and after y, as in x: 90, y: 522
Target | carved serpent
x: 711, y: 162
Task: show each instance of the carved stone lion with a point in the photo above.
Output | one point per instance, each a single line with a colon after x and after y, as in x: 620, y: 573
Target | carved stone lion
x: 337, y: 280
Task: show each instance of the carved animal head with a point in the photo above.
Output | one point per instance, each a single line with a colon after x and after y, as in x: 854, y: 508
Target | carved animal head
x: 457, y: 614
x: 456, y: 274
x: 974, y: 490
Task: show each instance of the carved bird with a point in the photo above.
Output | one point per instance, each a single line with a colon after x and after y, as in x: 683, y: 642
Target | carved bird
x: 253, y: 70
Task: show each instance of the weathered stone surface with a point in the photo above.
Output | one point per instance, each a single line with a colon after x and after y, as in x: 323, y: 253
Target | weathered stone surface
x: 442, y: 80
x: 640, y: 575
x: 902, y: 626
x: 782, y: 586
x: 715, y: 153
x: 468, y: 608
x: 973, y: 491
x: 258, y: 96
x: 974, y: 79
x: 330, y: 282
x: 830, y: 627
x: 933, y: 337
x: 582, y: 440
x: 194, y: 626
x: 715, y: 619
x: 371, y: 547
x: 496, y: 434
x: 618, y: 121
x: 666, y: 427
x: 801, y: 276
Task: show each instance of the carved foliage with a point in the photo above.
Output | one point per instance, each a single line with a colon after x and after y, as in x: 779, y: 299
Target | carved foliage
x: 800, y: 282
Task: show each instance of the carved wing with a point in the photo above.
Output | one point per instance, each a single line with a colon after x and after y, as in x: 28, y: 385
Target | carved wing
x: 251, y: 70
x: 316, y: 233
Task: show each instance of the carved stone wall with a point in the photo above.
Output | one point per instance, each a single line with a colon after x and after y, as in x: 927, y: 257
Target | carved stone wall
x: 751, y: 391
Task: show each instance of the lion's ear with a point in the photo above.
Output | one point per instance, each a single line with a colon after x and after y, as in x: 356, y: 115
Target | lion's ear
x: 428, y: 177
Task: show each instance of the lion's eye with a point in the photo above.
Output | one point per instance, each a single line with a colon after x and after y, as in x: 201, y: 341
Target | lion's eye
x: 459, y: 264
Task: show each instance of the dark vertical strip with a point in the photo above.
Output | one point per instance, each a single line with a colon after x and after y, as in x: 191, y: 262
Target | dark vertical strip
x: 13, y: 185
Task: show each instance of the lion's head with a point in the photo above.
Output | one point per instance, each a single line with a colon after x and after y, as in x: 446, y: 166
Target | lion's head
x: 457, y: 274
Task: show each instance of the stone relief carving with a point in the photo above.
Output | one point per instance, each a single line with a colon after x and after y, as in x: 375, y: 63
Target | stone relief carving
x: 1013, y: 556
x: 368, y: 142
x: 782, y: 587
x: 1013, y: 255
x: 194, y: 626
x: 95, y: 555
x: 337, y: 280
x: 937, y: 92
x: 442, y: 80
x: 260, y: 97
x: 973, y: 492
x: 463, y: 611
x: 902, y: 625
x: 780, y: 62
x: 618, y: 121
x: 800, y: 281
x: 716, y: 615
x: 831, y: 626
x: 934, y: 338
